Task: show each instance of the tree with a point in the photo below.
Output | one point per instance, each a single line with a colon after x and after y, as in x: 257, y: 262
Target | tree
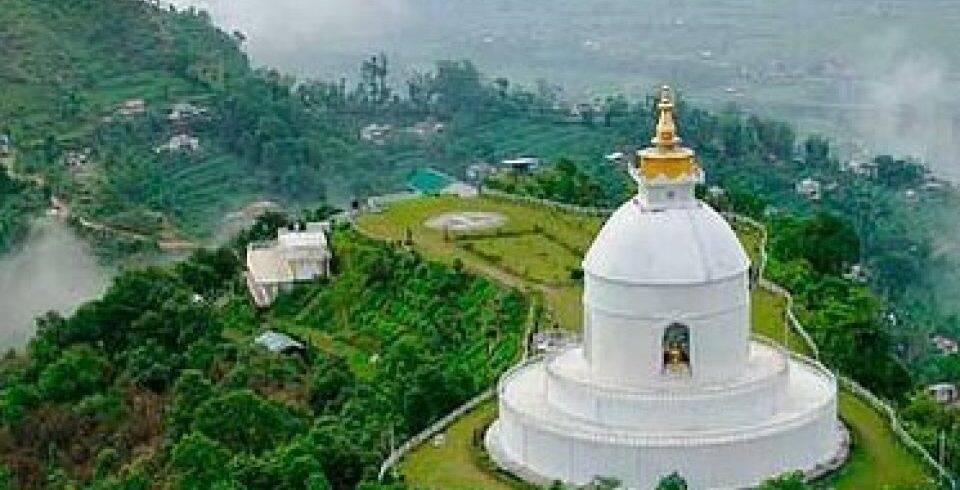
x: 789, y: 481
x: 243, y: 421
x: 827, y: 241
x: 80, y: 371
x: 672, y: 481
x: 330, y: 383
x: 199, y: 461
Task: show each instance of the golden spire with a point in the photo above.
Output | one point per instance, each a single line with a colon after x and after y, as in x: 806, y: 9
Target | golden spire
x: 667, y: 159
x: 666, y: 136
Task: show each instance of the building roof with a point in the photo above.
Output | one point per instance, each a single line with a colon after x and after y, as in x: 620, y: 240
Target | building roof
x: 266, y: 265
x: 270, y: 262
x: 429, y: 181
x: 313, y: 237
x: 689, y: 245
x: 278, y: 342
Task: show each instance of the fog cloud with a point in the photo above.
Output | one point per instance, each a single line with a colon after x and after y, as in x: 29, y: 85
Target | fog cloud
x: 53, y: 270
x: 306, y: 37
x: 909, y: 104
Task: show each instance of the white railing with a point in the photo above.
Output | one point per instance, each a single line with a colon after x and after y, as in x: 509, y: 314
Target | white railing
x: 438, y: 426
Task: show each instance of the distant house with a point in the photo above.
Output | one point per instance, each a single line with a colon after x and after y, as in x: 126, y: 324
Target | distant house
x: 715, y: 192
x: 297, y: 255
x: 376, y: 133
x: 857, y: 273
x: 183, y: 111
x: 933, y: 184
x: 617, y: 158
x: 809, y: 188
x: 945, y: 345
x: 279, y: 343
x: 430, y: 182
x: 6, y: 147
x: 180, y: 143
x: 944, y: 393
x: 132, y: 107
x: 521, y: 165
x: 77, y: 159
x: 427, y: 129
x: 477, y: 172
x: 911, y: 195
x: 862, y: 165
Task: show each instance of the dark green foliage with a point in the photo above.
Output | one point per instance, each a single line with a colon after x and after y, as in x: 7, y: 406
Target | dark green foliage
x: 243, y: 421
x: 672, y: 481
x: 80, y: 371
x: 18, y: 203
x: 199, y: 461
x: 565, y: 182
x: 826, y: 241
x: 790, y: 481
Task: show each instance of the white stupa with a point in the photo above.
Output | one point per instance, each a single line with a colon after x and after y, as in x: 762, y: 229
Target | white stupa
x: 668, y: 377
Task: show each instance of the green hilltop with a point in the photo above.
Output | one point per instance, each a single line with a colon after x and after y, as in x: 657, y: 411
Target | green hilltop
x: 149, y: 125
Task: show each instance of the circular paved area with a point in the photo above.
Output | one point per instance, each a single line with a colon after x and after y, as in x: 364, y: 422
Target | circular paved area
x: 467, y: 221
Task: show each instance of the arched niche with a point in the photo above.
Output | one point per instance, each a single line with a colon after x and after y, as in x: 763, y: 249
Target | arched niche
x: 676, y: 350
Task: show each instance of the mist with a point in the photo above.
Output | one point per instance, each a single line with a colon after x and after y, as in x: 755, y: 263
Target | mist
x: 310, y: 38
x: 52, y: 270
x: 909, y: 104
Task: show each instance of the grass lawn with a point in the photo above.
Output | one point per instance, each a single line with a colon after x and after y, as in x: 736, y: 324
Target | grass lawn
x: 877, y: 459
x: 453, y: 465
x: 548, y: 256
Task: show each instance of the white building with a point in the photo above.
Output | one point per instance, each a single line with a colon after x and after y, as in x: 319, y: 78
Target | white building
x: 521, y: 165
x: 132, y: 107
x: 945, y: 345
x: 179, y: 143
x: 376, y: 133
x: 810, y: 189
x: 184, y: 111
x: 616, y: 157
x: 296, y: 256
x: 944, y: 393
x: 5, y: 146
x: 667, y: 377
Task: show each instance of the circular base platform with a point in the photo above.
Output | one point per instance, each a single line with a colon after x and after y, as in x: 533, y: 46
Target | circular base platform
x: 542, y: 442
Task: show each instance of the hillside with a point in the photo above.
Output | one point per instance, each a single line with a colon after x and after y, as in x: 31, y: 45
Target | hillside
x: 17, y: 203
x: 148, y: 388
x: 93, y: 89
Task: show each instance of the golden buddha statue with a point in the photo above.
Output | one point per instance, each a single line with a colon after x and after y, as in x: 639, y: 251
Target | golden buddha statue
x: 675, y: 359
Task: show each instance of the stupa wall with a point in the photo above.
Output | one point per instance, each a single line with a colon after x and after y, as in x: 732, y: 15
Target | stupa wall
x: 624, y: 327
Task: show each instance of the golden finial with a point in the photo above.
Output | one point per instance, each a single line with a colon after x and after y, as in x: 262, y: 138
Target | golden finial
x: 666, y: 136
x: 667, y: 159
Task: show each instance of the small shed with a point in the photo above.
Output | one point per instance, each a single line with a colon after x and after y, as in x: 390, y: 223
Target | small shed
x: 279, y: 343
x: 521, y: 165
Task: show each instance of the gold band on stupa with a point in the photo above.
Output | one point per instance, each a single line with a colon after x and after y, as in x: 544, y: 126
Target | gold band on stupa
x: 666, y: 158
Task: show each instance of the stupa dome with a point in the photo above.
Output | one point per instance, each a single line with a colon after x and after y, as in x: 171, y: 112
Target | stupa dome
x: 686, y: 245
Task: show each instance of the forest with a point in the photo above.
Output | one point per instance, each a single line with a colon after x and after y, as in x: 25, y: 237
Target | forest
x: 159, y: 383
x: 18, y: 202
